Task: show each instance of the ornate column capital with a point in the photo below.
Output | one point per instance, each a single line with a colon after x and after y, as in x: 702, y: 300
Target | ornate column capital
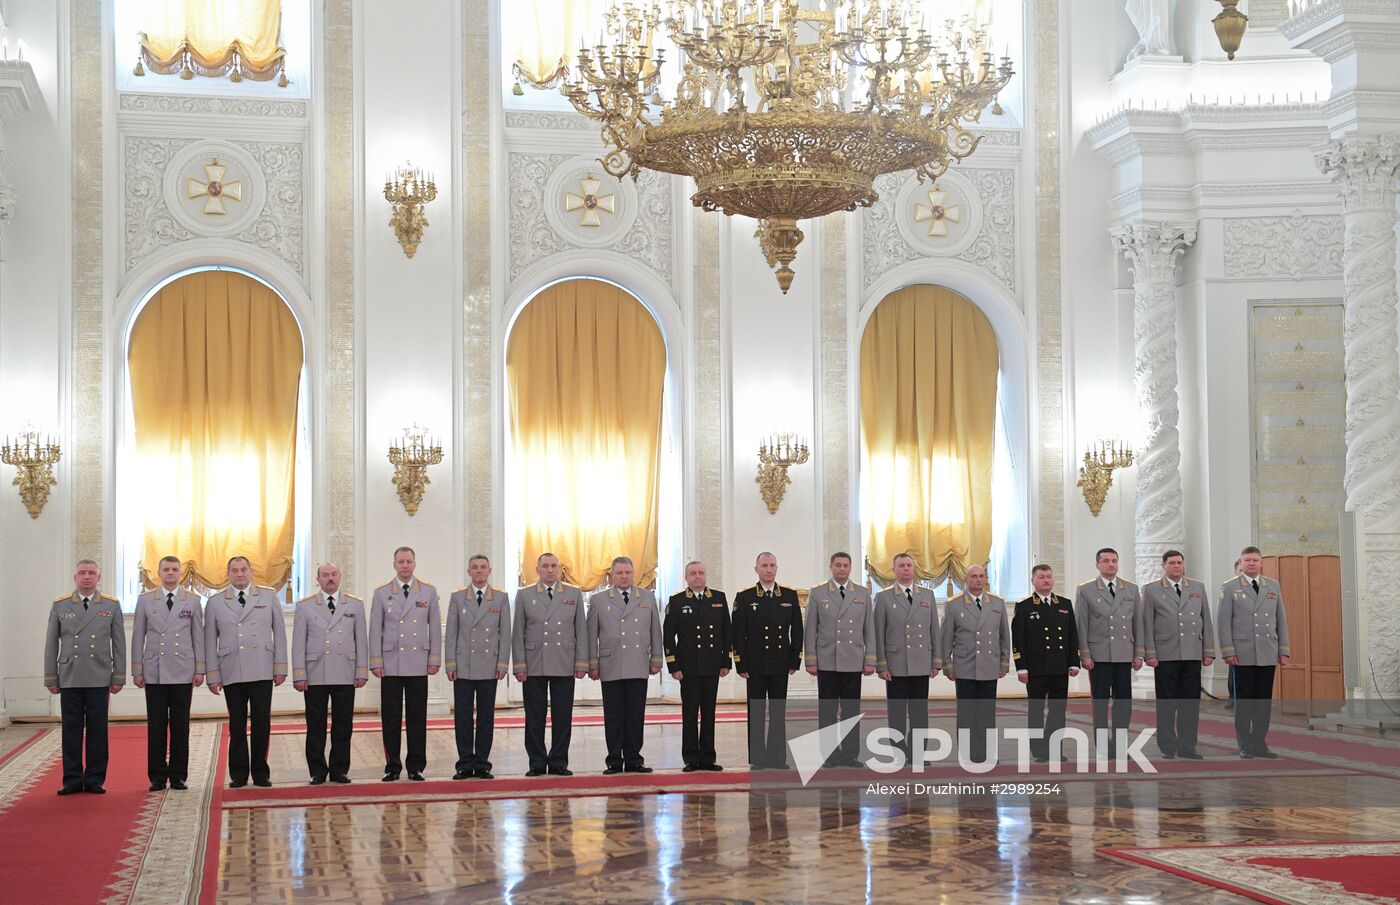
x: 1152, y: 247
x: 1365, y: 169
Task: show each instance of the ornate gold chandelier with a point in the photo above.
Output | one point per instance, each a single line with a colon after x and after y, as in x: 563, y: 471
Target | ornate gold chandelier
x: 785, y: 109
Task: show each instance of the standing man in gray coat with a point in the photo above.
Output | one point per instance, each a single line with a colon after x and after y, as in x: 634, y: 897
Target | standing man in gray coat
x: 477, y: 649
x: 405, y: 647
x: 1177, y: 641
x: 330, y: 659
x: 906, y: 648
x: 167, y: 660
x: 1254, y: 639
x: 84, y: 663
x: 975, y: 652
x: 839, y: 649
x: 245, y: 642
x: 1108, y: 620
x: 624, y: 648
x: 549, y: 647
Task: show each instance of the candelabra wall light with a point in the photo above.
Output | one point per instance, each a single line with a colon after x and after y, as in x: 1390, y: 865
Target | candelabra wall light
x: 33, y: 457
x: 1096, y: 474
x: 408, y: 190
x: 411, y: 455
x: 776, y: 455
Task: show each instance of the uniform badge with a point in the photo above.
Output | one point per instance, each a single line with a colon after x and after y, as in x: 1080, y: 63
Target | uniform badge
x: 923, y: 603
x: 494, y: 609
x: 644, y: 606
x: 1273, y: 596
x: 719, y: 605
x: 104, y: 613
x: 567, y: 602
x: 785, y: 604
x: 421, y: 603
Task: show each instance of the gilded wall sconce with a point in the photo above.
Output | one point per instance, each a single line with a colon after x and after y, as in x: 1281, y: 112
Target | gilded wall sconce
x: 407, y: 191
x: 1096, y: 474
x: 411, y: 455
x: 33, y: 457
x: 776, y: 455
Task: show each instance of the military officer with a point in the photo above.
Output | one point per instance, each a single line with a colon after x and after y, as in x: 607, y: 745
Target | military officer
x: 1177, y: 641
x: 245, y: 644
x: 1254, y: 639
x: 696, y: 637
x: 906, y: 647
x: 405, y: 647
x: 167, y: 660
x: 975, y: 651
x: 1045, y: 645
x: 84, y: 663
x: 1107, y: 618
x: 767, y: 631
x: 477, y: 651
x: 840, y: 648
x: 549, y: 649
x: 330, y: 659
x: 624, y: 648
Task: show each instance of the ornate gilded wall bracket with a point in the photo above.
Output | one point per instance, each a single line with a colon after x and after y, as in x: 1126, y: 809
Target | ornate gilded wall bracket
x: 1096, y: 474
x: 33, y: 458
x: 411, y: 455
x: 775, y: 456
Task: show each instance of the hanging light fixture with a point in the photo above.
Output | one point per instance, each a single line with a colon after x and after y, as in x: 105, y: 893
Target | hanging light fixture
x: 785, y: 109
x: 1229, y: 27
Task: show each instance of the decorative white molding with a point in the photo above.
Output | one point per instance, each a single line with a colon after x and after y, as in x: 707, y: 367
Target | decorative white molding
x: 185, y: 104
x: 7, y: 204
x: 989, y: 197
x: 1130, y: 133
x: 1294, y: 246
x: 567, y: 179
x: 18, y: 89
x: 1152, y: 250
x: 188, y: 163
x: 960, y: 218
x: 648, y: 237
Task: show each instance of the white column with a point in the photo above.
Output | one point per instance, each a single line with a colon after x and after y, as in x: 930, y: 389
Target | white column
x: 1365, y: 169
x: 1152, y: 249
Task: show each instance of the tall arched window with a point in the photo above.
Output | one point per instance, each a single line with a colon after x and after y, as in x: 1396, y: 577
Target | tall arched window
x: 586, y: 377
x: 215, y: 431
x: 934, y: 467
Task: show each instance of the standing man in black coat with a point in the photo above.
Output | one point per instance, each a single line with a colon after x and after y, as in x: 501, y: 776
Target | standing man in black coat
x: 1045, y: 644
x: 767, y: 649
x: 696, y: 635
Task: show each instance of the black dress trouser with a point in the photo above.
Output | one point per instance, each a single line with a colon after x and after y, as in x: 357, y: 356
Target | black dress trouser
x: 84, y: 732
x: 1045, y: 708
x: 1178, y: 688
x: 168, y: 728
x: 767, y: 695
x: 248, y: 702
x: 404, y: 700
x: 698, y: 695
x: 340, y: 701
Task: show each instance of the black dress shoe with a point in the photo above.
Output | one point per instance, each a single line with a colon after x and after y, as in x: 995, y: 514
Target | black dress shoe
x: 318, y: 780
x: 1245, y: 755
x: 238, y: 783
x: 178, y: 785
x: 1040, y: 759
x: 156, y: 787
x: 70, y: 790
x: 415, y: 776
x: 560, y: 771
x: 690, y: 768
x: 535, y: 772
x: 640, y: 768
x: 1166, y: 756
x: 464, y: 774
x: 612, y: 771
x: 340, y: 778
x: 483, y: 773
x: 1266, y: 754
x: 390, y: 776
x: 714, y: 768
x: 1191, y: 755
x: 95, y: 790
x: 263, y: 783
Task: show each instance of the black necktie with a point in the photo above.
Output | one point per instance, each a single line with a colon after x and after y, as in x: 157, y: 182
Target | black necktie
x: 978, y: 601
x: 242, y: 601
x: 550, y: 591
x: 1255, y: 582
x: 769, y: 594
x: 1045, y: 600
x: 843, y: 592
x: 169, y: 601
x: 330, y: 604
x: 405, y: 590
x: 478, y: 597
x: 1110, y: 591
x: 1178, y: 590
x: 624, y: 598
x: 85, y: 603
x: 909, y: 595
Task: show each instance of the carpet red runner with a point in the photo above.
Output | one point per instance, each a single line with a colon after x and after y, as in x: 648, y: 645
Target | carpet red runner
x: 1359, y: 875
x: 72, y: 848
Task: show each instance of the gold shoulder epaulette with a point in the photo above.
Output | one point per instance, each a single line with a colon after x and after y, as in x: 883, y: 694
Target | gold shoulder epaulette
x: 109, y: 597
x: 955, y: 599
x: 460, y: 590
x: 1089, y: 583
x: 783, y: 587
x: 263, y: 587
x: 387, y: 584
x: 306, y: 598
x: 426, y: 584
x: 64, y: 598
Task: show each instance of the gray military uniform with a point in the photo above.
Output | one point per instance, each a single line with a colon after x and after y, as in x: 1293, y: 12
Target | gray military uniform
x: 85, y: 648
x: 167, y: 644
x: 550, y: 637
x: 906, y: 634
x: 1109, y: 627
x: 405, y: 633
x: 330, y: 648
x: 624, y: 640
x: 840, y: 633
x: 244, y: 643
x: 1176, y: 628
x: 1253, y: 627
x: 477, y: 645
x: 975, y: 644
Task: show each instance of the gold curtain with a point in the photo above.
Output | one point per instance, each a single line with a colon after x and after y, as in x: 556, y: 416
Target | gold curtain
x: 237, y: 38
x: 215, y: 362
x: 586, y: 366
x: 928, y: 397
x: 546, y: 34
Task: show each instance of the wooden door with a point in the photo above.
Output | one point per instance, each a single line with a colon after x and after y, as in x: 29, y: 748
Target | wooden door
x: 1311, y: 683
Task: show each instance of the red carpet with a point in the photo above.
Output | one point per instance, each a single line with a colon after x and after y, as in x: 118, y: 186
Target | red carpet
x: 1285, y: 873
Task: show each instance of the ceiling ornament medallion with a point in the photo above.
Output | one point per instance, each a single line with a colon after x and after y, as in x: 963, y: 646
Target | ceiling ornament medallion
x: 938, y: 214
x: 213, y: 189
x: 590, y: 202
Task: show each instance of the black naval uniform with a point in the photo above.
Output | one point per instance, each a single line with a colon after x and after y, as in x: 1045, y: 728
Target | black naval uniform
x: 1045, y: 643
x: 696, y: 635
x: 768, y: 646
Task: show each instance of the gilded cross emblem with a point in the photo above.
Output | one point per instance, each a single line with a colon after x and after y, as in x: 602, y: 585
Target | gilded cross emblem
x: 937, y: 213
x: 590, y: 202
x: 214, y: 189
